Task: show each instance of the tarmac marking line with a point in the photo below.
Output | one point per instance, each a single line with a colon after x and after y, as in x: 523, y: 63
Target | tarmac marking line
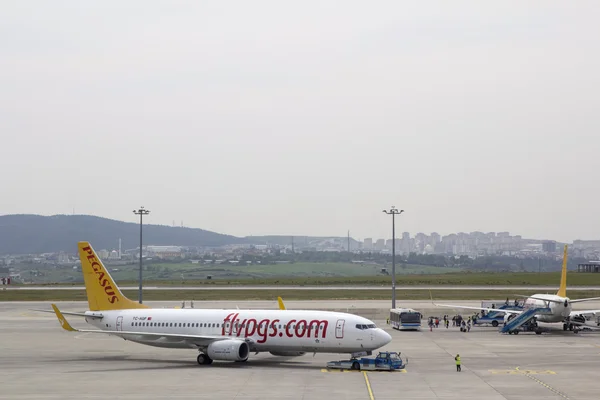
x: 522, y: 372
x: 368, y: 386
x: 550, y: 388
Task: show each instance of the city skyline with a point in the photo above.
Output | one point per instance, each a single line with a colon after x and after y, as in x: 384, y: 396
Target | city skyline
x: 305, y: 118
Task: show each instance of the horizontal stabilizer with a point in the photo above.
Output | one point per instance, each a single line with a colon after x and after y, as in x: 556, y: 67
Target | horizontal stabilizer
x: 77, y: 314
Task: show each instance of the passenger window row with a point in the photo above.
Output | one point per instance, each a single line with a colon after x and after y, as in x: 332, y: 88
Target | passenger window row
x: 175, y: 324
x: 217, y: 325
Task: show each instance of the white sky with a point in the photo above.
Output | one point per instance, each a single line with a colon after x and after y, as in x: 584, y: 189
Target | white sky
x: 305, y: 118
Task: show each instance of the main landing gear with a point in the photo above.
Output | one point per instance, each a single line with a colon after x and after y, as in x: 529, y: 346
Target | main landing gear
x: 203, y: 359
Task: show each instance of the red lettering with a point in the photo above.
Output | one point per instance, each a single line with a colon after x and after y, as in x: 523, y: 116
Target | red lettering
x: 224, y: 322
x: 109, y: 290
x: 301, y: 323
x: 95, y: 266
x: 287, y: 328
x: 250, y: 332
x: 318, y: 325
x: 274, y: 328
x: 263, y: 328
x: 87, y: 249
x: 267, y: 328
x: 232, y: 323
x: 241, y: 327
x: 113, y: 299
x: 92, y: 258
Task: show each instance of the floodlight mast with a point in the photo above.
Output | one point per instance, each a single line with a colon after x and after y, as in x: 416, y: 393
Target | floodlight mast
x: 393, y: 212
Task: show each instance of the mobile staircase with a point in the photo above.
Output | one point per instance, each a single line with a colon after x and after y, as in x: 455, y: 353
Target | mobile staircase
x: 524, y: 320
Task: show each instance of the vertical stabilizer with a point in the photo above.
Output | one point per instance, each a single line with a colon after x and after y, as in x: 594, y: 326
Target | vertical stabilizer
x: 562, y: 290
x: 102, y: 291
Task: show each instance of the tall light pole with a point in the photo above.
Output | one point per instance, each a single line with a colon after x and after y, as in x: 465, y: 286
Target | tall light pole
x: 393, y: 211
x: 141, y: 212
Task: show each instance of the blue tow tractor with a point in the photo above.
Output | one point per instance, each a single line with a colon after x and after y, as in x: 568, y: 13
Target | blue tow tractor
x: 385, y: 361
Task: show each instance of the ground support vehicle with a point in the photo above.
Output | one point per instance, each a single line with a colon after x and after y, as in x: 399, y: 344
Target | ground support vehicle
x: 385, y: 361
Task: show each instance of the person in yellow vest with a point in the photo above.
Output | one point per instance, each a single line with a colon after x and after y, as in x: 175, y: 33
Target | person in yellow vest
x: 457, y: 359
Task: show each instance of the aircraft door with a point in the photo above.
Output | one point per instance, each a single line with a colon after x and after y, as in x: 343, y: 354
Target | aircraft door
x: 339, y: 329
x: 119, y: 323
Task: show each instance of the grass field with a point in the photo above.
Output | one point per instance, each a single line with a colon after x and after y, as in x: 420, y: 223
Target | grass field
x: 198, y: 295
x: 464, y: 278
x: 224, y: 272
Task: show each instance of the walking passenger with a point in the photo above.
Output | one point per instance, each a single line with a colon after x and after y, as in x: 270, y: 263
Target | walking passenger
x: 457, y: 359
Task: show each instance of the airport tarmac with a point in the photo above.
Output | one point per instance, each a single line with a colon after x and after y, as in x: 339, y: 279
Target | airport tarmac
x: 38, y: 360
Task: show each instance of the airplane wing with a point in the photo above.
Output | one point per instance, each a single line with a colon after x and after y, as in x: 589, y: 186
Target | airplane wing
x: 487, y: 309
x: 540, y: 298
x: 583, y: 312
x: 580, y: 300
x: 193, y: 339
x: 77, y: 314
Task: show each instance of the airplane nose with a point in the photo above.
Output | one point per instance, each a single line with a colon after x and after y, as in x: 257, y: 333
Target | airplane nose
x: 383, y: 338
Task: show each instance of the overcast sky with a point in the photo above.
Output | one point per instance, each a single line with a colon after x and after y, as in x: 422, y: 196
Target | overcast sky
x: 305, y: 118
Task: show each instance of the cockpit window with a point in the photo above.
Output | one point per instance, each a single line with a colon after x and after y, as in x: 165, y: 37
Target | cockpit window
x: 364, y: 326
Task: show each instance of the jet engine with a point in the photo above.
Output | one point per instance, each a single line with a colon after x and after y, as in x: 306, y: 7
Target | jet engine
x: 288, y: 353
x: 228, y: 350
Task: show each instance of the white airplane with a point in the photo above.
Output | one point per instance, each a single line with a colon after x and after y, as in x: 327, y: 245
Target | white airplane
x: 558, y: 306
x: 228, y: 335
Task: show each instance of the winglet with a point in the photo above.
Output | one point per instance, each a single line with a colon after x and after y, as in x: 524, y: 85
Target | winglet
x: 562, y: 290
x: 63, y: 322
x: 280, y: 302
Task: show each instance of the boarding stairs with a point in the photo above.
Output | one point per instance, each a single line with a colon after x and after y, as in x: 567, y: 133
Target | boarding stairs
x: 514, y: 324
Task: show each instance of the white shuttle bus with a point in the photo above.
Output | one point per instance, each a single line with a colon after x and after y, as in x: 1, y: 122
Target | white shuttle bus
x: 405, y: 319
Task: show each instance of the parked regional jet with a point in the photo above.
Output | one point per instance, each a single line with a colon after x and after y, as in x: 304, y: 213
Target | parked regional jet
x: 219, y: 334
x: 552, y: 308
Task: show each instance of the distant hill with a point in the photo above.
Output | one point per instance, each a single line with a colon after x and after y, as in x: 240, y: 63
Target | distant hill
x: 26, y: 233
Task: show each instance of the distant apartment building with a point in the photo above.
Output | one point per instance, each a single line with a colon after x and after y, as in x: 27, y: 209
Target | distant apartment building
x: 549, y: 246
x: 379, y: 244
x: 434, y: 239
x: 405, y: 245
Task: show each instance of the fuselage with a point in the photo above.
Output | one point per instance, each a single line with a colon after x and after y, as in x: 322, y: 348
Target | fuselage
x: 558, y: 311
x: 264, y: 330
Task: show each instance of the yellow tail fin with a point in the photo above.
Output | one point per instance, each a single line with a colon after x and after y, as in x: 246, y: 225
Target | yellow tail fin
x: 280, y: 302
x: 102, y: 292
x: 562, y: 290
